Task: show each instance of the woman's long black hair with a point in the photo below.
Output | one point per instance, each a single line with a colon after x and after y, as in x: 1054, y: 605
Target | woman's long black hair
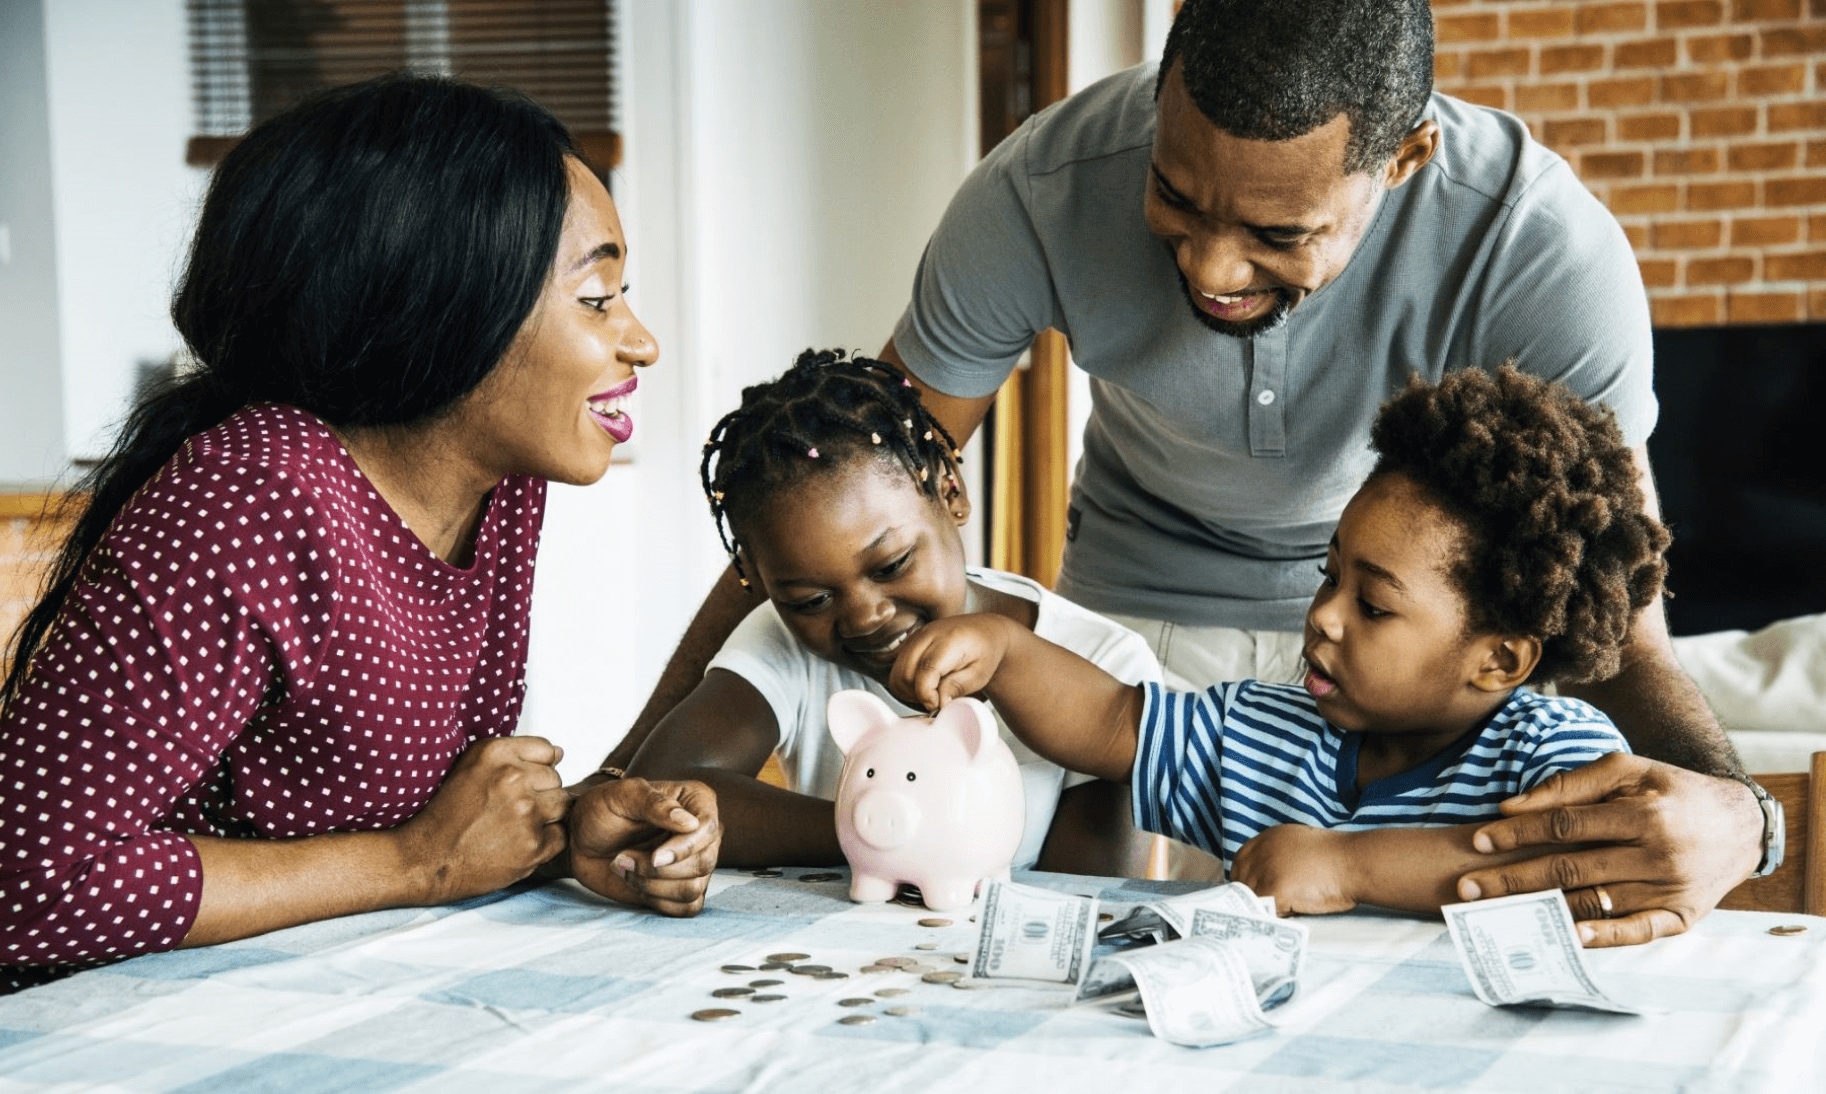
x: 367, y: 256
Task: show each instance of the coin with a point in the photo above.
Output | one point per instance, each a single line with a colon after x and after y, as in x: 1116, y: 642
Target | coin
x: 808, y: 970
x: 927, y: 946
x: 973, y: 919
x: 821, y: 877
x: 830, y: 974
x: 965, y: 984
x: 789, y: 958
x: 891, y: 993
x: 856, y: 1020
x: 903, y: 1012
x: 949, y: 976
x: 765, y: 998
x: 935, y: 923
x: 871, y: 969
x: 1105, y: 917
x: 765, y: 983
x: 738, y: 968
x: 714, y: 1014
x: 858, y: 1001
x: 918, y: 969
x: 774, y: 966
x: 961, y: 958
x: 1788, y: 929
x: 768, y: 872
x: 895, y: 962
x: 732, y: 993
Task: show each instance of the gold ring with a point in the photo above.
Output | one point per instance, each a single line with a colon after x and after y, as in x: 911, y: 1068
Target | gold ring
x: 1605, y: 907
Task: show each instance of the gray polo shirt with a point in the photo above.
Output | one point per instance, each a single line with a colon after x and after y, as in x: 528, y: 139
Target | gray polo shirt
x: 1216, y: 468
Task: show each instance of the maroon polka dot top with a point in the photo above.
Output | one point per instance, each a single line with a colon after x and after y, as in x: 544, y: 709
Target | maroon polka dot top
x: 260, y: 647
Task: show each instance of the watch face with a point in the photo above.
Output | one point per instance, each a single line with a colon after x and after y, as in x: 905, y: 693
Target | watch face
x: 1775, y: 835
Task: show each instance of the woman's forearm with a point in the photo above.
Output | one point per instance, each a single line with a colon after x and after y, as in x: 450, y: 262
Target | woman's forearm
x: 252, y: 886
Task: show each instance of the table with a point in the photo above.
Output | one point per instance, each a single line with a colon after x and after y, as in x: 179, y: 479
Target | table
x: 548, y: 987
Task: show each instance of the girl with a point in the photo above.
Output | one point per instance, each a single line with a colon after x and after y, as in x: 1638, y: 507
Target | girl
x: 1500, y: 540
x: 277, y: 669
x: 838, y: 496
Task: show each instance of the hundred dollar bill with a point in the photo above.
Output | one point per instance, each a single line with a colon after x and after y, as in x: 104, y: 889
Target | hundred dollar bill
x: 1171, y: 917
x: 1026, y: 933
x: 1196, y: 991
x: 1274, y: 950
x: 1524, y: 951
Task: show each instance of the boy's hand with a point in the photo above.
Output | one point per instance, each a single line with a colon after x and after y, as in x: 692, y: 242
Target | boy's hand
x: 1306, y: 870
x: 949, y: 658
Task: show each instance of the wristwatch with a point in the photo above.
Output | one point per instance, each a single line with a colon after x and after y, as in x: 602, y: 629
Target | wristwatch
x: 1775, y: 830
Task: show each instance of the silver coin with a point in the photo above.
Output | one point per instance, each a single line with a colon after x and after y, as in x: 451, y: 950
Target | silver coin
x: 927, y: 946
x: 765, y: 998
x: 765, y: 983
x: 738, y: 968
x: 895, y: 962
x: 774, y: 966
x: 949, y: 976
x: 856, y: 1020
x: 789, y: 958
x: 830, y: 974
x: 962, y: 958
x: 918, y: 969
x: 872, y: 969
x: 903, y: 1012
x: 732, y: 993
x: 821, y: 877
x: 1787, y: 929
x: 769, y: 872
x: 968, y: 984
x: 935, y: 923
x: 891, y: 993
x: 858, y: 1001
x: 715, y: 1014
x: 973, y: 919
x: 808, y: 970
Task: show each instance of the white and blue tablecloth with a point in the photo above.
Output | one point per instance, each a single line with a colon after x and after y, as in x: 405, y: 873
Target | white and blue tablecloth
x: 549, y: 988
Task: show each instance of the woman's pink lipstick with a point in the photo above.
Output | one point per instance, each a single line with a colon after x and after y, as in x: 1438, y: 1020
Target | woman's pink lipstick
x: 610, y: 410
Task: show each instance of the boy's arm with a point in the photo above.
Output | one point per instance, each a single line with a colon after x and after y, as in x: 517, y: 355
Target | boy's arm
x: 721, y: 735
x: 1314, y: 871
x: 1064, y: 707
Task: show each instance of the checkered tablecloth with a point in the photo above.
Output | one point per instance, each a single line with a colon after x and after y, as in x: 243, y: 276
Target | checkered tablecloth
x: 549, y: 988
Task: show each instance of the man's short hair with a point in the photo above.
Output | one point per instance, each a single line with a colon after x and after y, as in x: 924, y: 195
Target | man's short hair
x: 1271, y: 70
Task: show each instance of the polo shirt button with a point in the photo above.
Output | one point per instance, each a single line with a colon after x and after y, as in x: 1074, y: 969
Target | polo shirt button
x: 1266, y: 398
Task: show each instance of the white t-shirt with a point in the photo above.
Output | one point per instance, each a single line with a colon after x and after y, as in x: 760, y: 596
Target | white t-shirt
x: 798, y: 684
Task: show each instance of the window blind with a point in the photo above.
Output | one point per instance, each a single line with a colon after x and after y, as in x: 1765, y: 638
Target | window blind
x: 251, y: 59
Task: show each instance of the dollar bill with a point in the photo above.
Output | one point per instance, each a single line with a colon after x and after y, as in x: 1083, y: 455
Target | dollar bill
x: 1524, y: 951
x: 1274, y: 950
x: 1233, y: 897
x: 1025, y: 933
x: 1195, y: 992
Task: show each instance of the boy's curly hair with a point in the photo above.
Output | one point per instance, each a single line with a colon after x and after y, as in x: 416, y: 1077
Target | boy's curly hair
x: 1557, y: 543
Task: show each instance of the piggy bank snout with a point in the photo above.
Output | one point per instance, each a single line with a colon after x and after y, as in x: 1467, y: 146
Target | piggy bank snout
x: 886, y: 819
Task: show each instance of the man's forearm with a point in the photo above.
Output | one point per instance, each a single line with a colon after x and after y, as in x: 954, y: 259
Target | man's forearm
x: 1662, y: 713
x: 724, y: 609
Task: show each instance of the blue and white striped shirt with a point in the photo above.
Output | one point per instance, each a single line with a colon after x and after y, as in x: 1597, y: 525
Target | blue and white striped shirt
x: 1217, y: 767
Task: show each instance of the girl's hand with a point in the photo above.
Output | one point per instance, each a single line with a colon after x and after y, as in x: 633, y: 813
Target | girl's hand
x: 949, y: 658
x: 649, y: 843
x: 1306, y: 870
x: 498, y: 815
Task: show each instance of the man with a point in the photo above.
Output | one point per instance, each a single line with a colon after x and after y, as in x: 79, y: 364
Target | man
x: 1249, y: 249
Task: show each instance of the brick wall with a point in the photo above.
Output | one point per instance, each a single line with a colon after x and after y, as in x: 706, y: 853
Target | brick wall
x: 27, y: 542
x: 1700, y: 123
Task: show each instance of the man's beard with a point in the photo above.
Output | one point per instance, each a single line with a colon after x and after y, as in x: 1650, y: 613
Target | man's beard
x: 1248, y: 329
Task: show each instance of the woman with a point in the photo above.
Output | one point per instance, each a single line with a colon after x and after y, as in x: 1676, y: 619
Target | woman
x: 276, y: 670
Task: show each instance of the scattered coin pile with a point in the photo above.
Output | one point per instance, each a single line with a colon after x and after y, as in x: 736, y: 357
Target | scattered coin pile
x: 802, y: 965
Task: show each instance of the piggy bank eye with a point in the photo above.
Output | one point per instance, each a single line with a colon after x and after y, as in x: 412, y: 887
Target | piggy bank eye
x: 869, y: 774
x: 911, y: 776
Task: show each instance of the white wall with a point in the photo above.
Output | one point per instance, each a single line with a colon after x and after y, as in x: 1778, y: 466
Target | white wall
x: 786, y: 161
x: 31, y: 393
x: 120, y: 114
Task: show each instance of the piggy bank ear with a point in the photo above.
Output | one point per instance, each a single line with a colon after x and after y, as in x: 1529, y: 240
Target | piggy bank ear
x: 853, y: 713
x: 971, y: 721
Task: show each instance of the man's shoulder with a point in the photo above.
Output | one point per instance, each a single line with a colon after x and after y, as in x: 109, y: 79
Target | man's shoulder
x: 1488, y: 156
x: 1113, y: 116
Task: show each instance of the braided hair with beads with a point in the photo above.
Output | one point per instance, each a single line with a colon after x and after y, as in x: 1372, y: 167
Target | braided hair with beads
x: 828, y: 410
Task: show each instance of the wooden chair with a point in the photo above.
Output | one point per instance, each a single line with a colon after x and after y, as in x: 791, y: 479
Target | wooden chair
x: 1800, y: 884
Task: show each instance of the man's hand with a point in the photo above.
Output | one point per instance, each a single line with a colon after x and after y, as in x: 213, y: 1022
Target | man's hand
x: 1670, y: 845
x: 950, y: 658
x: 1306, y: 870
x: 651, y: 843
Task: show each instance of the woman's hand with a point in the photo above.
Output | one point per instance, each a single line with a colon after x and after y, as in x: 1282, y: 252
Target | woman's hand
x: 1667, y: 844
x: 1306, y: 870
x: 653, y: 843
x: 497, y: 816
x: 949, y: 658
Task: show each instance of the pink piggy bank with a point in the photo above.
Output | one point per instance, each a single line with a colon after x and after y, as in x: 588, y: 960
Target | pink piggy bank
x: 934, y: 802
